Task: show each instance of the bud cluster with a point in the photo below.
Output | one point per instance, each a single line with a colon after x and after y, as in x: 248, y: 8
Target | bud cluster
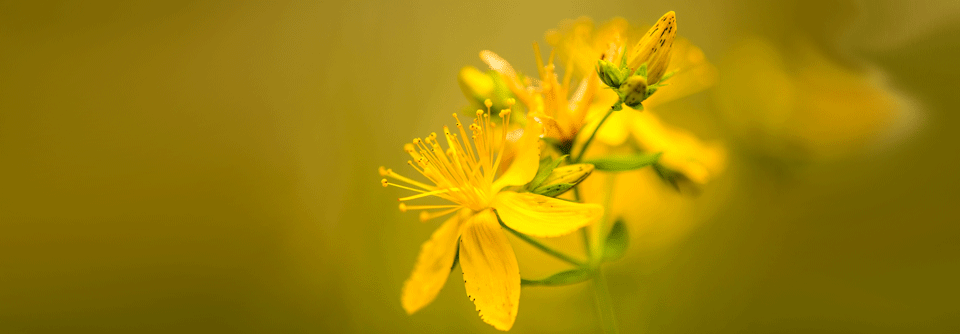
x: 638, y: 77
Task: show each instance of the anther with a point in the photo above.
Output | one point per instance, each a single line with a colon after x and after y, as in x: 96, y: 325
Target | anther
x: 383, y: 171
x: 488, y: 103
x: 403, y: 207
x: 424, y: 216
x: 384, y: 183
x: 480, y: 112
x: 511, y: 101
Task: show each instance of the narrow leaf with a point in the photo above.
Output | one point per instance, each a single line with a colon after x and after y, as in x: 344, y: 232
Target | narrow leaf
x: 568, y: 277
x: 617, y: 241
x: 619, y: 163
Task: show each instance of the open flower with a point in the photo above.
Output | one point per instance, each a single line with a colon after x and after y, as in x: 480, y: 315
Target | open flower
x: 465, y: 175
x: 549, y: 99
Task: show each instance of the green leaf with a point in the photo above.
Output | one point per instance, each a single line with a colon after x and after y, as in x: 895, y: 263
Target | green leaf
x: 620, y: 163
x: 547, y: 165
x: 670, y: 177
x: 568, y: 277
x: 617, y: 241
x: 553, y: 190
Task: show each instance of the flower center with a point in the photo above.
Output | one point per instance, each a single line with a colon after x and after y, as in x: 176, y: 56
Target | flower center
x: 463, y: 173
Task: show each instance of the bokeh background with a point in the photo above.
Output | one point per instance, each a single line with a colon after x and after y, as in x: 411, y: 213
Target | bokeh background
x: 201, y: 166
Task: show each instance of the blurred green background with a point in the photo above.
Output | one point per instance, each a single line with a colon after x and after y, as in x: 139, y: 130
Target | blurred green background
x: 184, y: 166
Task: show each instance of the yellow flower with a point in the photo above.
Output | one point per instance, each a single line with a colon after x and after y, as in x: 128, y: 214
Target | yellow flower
x: 550, y: 100
x: 683, y: 153
x: 465, y: 176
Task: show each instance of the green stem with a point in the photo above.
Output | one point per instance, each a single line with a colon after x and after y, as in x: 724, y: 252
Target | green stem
x: 586, y: 144
x: 584, y: 231
x: 543, y: 247
x: 604, y: 304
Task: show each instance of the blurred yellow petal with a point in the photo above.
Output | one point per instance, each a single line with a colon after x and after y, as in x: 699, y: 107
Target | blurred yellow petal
x: 490, y: 271
x: 501, y: 65
x: 433, y: 266
x: 543, y: 216
x: 682, y: 152
x: 526, y: 159
x: 614, y: 131
x: 793, y: 101
x: 694, y: 74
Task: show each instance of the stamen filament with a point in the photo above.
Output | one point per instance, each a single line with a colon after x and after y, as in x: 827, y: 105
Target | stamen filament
x: 431, y: 193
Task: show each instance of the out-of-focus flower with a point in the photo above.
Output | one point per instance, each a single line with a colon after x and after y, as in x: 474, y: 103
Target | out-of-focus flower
x: 479, y: 86
x: 580, y: 44
x: 793, y: 102
x: 548, y: 100
x: 653, y: 208
x: 683, y: 154
x: 464, y: 175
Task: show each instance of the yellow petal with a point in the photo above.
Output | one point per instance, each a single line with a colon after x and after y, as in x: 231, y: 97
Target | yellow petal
x: 490, y: 271
x: 433, y: 266
x: 501, y: 65
x: 694, y: 73
x: 543, y: 216
x: 683, y: 152
x: 526, y: 160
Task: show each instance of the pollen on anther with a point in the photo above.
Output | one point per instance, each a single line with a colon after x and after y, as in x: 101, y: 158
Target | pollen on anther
x: 403, y: 207
x: 488, y: 103
x: 383, y: 171
x: 384, y: 182
x: 480, y: 112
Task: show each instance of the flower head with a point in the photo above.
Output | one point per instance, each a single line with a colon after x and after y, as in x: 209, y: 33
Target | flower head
x: 465, y: 176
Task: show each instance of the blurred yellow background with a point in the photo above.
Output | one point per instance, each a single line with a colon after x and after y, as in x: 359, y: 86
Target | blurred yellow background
x: 184, y: 166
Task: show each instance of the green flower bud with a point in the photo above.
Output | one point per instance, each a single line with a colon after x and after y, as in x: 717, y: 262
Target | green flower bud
x: 609, y: 73
x: 563, y: 178
x: 634, y: 91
